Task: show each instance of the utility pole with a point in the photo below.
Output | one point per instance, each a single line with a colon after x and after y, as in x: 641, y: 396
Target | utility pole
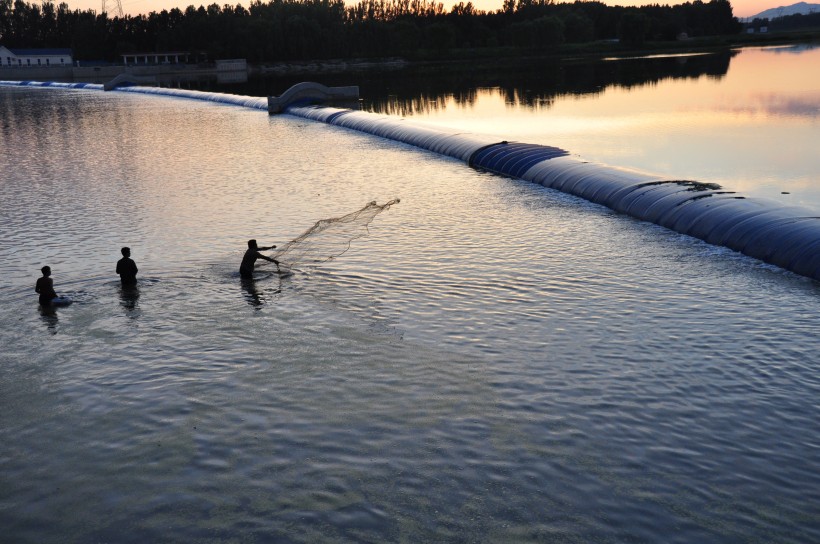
x: 117, y: 7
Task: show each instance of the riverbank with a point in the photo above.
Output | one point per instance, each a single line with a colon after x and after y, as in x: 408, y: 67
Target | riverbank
x: 455, y: 60
x: 461, y: 60
x: 614, y: 48
x: 157, y: 74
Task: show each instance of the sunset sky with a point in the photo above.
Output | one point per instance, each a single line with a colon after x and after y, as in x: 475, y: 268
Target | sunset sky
x: 742, y: 8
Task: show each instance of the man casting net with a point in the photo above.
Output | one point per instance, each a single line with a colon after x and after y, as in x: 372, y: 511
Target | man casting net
x: 329, y: 238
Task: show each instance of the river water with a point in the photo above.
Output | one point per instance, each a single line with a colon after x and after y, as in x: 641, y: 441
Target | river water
x: 494, y: 362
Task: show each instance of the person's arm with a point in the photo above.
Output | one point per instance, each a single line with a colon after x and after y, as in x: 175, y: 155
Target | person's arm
x: 274, y: 261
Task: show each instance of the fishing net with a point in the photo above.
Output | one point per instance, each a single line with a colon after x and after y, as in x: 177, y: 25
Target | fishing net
x: 329, y: 238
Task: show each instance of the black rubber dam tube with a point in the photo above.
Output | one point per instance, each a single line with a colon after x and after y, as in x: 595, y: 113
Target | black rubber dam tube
x: 788, y: 237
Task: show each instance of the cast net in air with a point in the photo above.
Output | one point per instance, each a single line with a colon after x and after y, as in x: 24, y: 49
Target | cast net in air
x: 329, y: 238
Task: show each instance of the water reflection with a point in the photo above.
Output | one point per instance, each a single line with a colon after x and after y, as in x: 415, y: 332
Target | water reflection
x: 798, y: 105
x: 526, y: 82
x: 536, y: 86
x: 129, y: 297
x: 792, y: 49
x: 48, y: 315
x: 257, y: 296
x: 540, y: 360
x: 675, y: 116
x: 210, y: 82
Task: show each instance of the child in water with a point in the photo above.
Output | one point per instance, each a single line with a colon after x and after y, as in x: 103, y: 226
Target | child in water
x: 127, y: 268
x: 45, y: 287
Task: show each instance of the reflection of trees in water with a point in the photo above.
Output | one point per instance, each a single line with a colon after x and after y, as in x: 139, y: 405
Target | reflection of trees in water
x: 395, y: 105
x: 424, y: 104
x: 535, y: 86
x: 521, y: 83
x: 531, y: 83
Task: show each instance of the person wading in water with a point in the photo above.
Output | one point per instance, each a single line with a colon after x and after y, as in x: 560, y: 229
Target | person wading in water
x: 251, y: 255
x: 127, y: 268
x: 45, y: 287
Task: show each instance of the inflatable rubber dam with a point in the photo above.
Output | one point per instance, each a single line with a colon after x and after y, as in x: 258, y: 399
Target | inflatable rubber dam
x: 788, y: 237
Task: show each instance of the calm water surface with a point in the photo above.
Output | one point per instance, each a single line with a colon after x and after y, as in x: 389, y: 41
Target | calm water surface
x: 494, y: 362
x: 748, y: 119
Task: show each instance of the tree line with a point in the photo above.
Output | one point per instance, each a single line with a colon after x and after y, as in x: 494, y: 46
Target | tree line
x: 798, y: 21
x: 284, y: 30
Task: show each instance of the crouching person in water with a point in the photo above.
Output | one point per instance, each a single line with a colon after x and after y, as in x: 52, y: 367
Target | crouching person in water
x: 251, y: 255
x: 45, y: 287
x: 127, y: 268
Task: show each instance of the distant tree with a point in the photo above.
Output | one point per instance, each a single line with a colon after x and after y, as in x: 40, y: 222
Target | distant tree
x: 542, y: 33
x: 406, y: 37
x: 796, y: 21
x: 549, y: 31
x: 633, y: 27
x: 441, y: 36
x: 270, y: 30
x: 463, y: 10
x: 578, y: 28
x: 720, y: 19
x: 48, y: 24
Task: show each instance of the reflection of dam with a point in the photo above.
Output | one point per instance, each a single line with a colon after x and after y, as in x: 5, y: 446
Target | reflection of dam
x: 788, y: 237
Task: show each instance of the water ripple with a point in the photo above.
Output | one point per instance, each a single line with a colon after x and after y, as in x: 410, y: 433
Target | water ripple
x: 493, y: 362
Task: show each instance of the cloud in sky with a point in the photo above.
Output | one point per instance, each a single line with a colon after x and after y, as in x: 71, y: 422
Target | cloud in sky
x: 742, y: 8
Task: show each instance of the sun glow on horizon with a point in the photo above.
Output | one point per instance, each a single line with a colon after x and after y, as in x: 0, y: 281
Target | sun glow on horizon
x: 741, y: 8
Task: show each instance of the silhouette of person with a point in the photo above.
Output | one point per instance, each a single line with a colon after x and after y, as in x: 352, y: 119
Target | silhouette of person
x: 254, y: 295
x: 127, y: 268
x: 251, y: 255
x: 129, y: 297
x: 49, y: 316
x: 45, y: 287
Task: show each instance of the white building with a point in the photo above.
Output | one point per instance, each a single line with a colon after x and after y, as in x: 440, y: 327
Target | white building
x: 168, y: 57
x: 18, y: 58
x: 231, y: 65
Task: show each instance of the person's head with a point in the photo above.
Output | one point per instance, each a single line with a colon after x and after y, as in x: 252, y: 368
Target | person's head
x: 46, y: 270
x: 252, y: 244
x: 126, y: 251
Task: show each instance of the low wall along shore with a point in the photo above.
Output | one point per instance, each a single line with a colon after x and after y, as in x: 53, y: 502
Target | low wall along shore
x: 237, y: 69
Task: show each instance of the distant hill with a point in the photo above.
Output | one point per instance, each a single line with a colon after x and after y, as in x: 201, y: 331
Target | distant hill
x: 802, y: 8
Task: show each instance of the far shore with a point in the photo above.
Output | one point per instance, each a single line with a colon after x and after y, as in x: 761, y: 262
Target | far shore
x: 454, y: 59
x: 567, y: 52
